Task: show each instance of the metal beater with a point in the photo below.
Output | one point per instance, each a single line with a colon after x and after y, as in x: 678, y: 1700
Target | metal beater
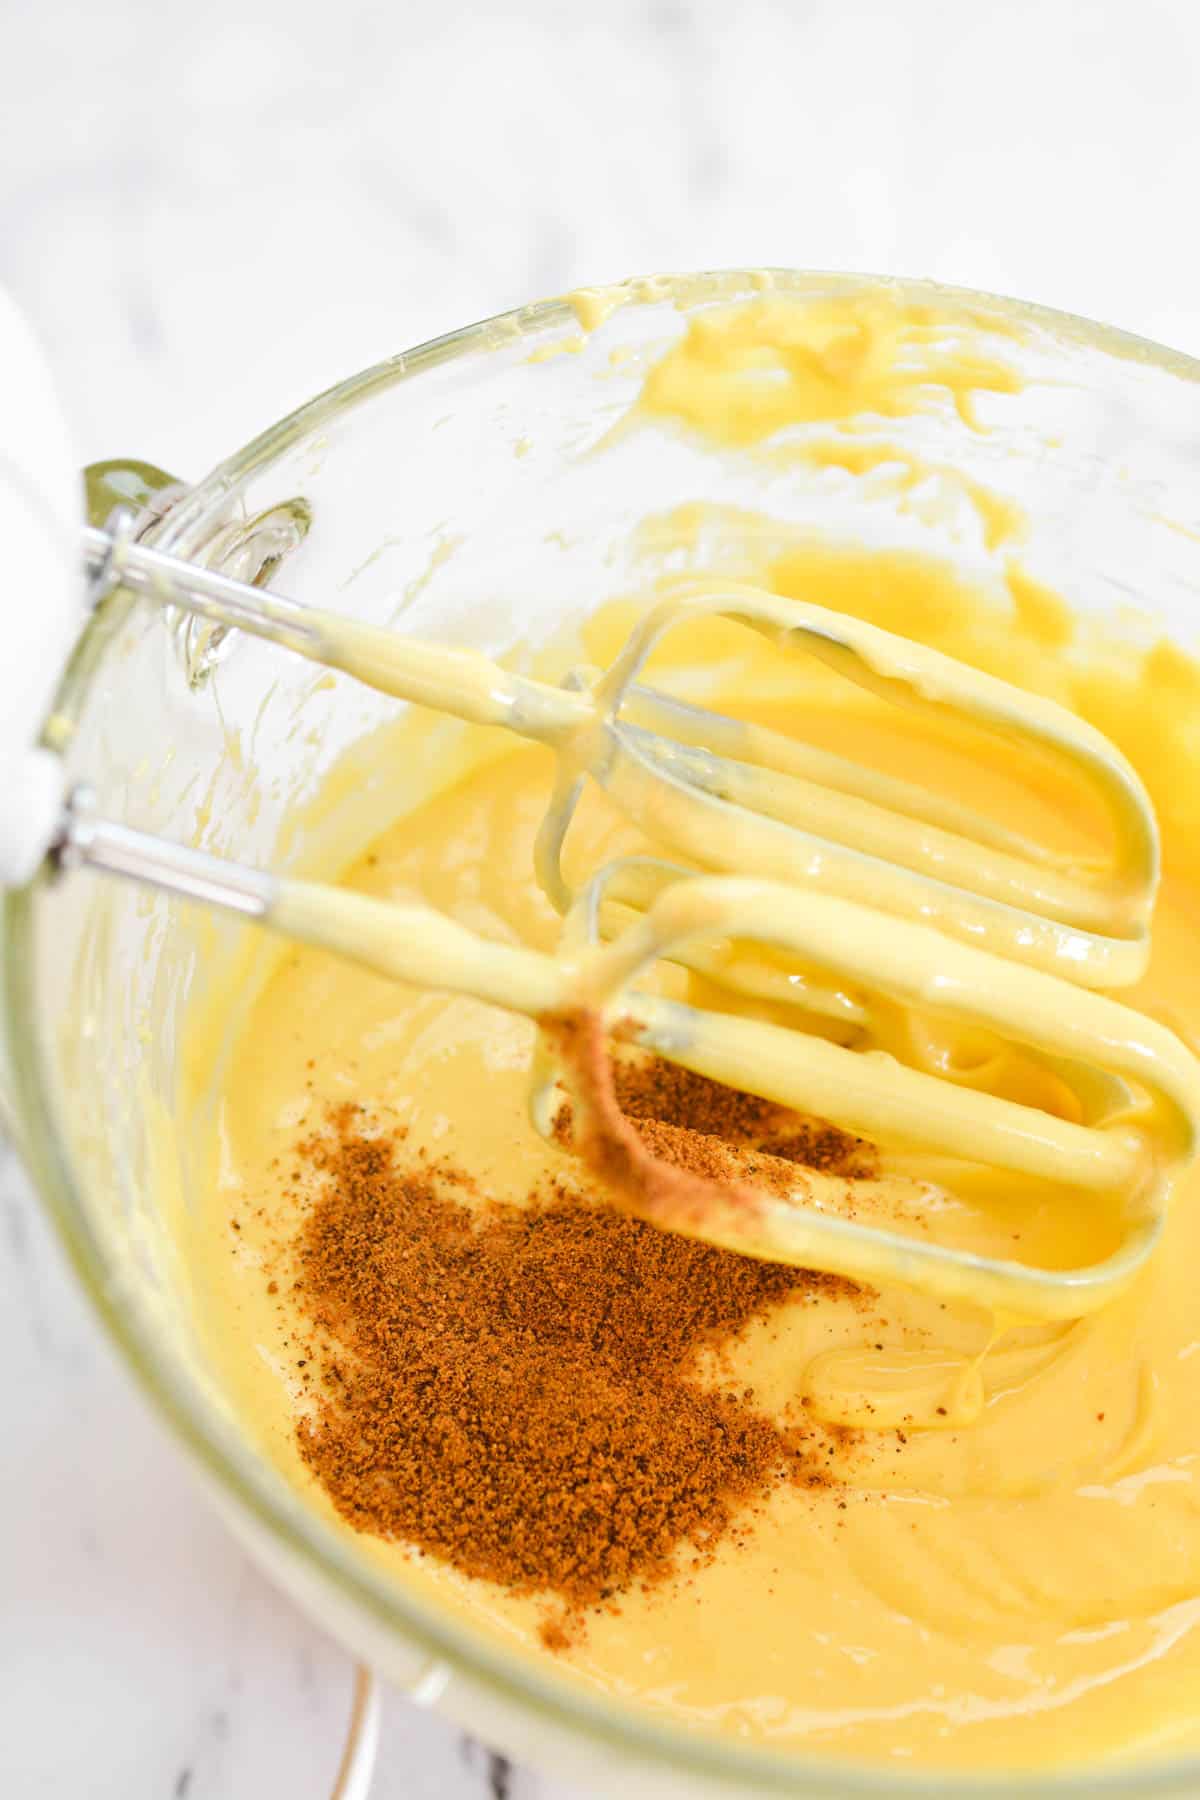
x: 882, y: 886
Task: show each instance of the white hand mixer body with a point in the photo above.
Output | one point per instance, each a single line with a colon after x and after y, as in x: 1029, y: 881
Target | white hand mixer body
x: 44, y: 602
x: 873, y: 882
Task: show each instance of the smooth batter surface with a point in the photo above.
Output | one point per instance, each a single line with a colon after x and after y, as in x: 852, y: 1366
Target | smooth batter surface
x: 982, y: 1578
x: 1008, y: 1568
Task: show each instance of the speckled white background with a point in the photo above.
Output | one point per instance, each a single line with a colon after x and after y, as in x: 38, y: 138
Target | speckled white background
x: 214, y: 211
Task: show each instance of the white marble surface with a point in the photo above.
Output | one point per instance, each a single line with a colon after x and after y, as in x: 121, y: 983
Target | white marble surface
x: 215, y: 211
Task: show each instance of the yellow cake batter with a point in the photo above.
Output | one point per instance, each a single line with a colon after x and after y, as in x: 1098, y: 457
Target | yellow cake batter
x: 1007, y: 1570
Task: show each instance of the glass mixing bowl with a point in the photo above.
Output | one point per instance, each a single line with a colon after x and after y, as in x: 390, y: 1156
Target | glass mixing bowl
x: 479, y: 490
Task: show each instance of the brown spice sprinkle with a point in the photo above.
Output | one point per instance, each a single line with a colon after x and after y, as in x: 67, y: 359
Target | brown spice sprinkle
x: 515, y: 1388
x: 642, y: 1164
x: 709, y: 1130
x: 647, y: 1087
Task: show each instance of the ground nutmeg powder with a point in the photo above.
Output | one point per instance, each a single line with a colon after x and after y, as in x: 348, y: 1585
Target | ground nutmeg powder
x: 514, y: 1388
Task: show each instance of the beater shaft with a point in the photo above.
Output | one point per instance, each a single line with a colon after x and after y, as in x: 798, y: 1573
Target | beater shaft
x: 733, y: 797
